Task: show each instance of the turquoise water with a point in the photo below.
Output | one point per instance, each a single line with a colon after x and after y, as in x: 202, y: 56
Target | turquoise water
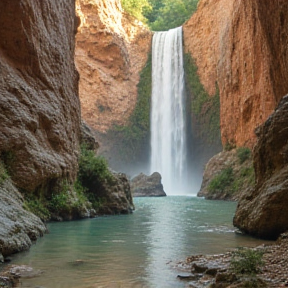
x: 136, y: 250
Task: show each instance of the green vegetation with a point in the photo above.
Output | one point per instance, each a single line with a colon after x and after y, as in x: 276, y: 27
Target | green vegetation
x: 37, y: 207
x: 93, y: 170
x: 136, y: 8
x: 133, y: 138
x: 243, y: 154
x: 161, y: 15
x: 247, y: 175
x: 168, y: 14
x: 3, y: 173
x: 68, y: 199
x: 205, y: 109
x: 229, y: 146
x: 246, y: 261
x: 221, y: 181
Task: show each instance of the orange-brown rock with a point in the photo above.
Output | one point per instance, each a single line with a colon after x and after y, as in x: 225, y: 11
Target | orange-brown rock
x: 111, y: 50
x: 243, y: 46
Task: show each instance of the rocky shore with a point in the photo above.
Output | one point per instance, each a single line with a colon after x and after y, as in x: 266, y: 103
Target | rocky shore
x: 215, y: 270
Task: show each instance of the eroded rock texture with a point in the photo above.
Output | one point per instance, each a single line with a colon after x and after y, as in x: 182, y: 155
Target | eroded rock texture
x: 39, y: 107
x: 262, y: 211
x: 39, y: 110
x: 112, y: 49
x: 243, y: 46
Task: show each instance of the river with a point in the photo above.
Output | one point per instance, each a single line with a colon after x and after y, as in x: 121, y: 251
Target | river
x: 137, y: 250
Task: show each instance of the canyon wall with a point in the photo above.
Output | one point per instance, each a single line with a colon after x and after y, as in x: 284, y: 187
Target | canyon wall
x: 111, y: 50
x: 262, y: 211
x: 243, y: 47
x: 39, y: 110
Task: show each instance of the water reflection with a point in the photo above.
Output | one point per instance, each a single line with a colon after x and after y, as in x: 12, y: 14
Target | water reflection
x: 132, y: 250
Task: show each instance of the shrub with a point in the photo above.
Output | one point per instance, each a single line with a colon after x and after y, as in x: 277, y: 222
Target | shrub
x: 243, y: 154
x: 59, y: 202
x: 37, y: 207
x: 221, y: 181
x: 93, y: 170
x: 246, y: 261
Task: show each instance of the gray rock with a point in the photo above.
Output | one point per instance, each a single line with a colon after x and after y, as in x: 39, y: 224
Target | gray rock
x: 18, y: 227
x: 147, y: 186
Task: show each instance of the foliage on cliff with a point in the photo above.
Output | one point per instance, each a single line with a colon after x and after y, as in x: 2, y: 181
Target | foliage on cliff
x: 205, y: 109
x: 228, y: 174
x: 161, y: 15
x: 133, y: 138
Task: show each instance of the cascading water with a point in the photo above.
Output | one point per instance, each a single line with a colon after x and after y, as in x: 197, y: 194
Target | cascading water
x: 168, y: 127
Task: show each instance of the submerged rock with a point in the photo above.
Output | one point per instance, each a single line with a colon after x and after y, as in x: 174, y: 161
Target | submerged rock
x: 147, y: 186
x: 262, y: 211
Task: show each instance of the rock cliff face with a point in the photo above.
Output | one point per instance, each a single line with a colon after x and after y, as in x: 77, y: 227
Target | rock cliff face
x: 112, y: 49
x: 39, y: 110
x: 39, y: 107
x: 262, y: 211
x: 243, y: 46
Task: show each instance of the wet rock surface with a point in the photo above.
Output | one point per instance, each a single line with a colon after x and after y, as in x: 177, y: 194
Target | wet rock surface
x: 214, y: 270
x: 262, y: 211
x: 147, y: 186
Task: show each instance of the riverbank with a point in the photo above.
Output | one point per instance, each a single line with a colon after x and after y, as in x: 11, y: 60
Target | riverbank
x: 214, y: 270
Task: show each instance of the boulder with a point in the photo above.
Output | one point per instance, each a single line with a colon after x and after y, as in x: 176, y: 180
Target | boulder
x: 115, y: 196
x: 262, y: 211
x: 147, y: 186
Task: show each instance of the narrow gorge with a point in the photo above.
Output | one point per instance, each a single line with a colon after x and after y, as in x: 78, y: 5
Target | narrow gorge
x: 92, y: 97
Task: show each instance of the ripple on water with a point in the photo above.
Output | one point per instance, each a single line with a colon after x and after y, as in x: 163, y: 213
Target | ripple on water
x: 132, y: 250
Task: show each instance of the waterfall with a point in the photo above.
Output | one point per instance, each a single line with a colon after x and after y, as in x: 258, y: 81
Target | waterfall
x: 168, y: 127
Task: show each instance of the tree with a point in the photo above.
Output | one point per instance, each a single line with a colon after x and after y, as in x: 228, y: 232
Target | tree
x: 167, y: 14
x: 161, y: 15
x: 136, y: 7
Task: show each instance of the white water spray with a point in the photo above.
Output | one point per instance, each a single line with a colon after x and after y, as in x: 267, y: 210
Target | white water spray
x: 168, y: 127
